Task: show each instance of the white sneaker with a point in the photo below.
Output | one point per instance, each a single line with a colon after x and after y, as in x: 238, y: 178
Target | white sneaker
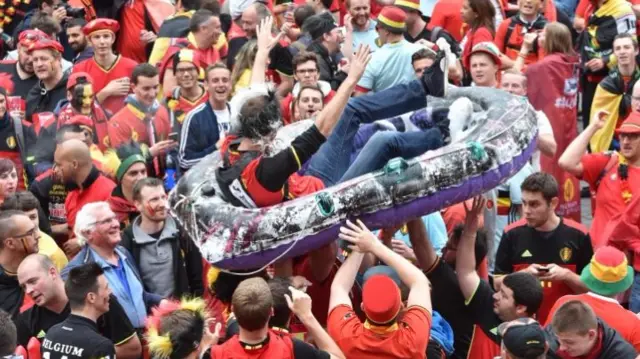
x: 460, y: 113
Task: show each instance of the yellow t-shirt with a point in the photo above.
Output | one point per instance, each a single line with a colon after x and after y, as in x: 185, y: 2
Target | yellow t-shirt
x: 243, y: 81
x: 48, y: 247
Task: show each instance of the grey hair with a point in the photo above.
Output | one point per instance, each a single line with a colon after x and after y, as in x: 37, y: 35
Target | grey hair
x: 86, y: 219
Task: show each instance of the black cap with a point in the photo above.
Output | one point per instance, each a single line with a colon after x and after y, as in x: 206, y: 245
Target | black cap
x: 525, y: 341
x: 318, y: 25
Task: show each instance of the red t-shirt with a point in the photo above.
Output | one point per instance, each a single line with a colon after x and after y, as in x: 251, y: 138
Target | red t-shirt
x: 609, y: 200
x: 357, y: 340
x: 482, y: 34
x: 611, y: 312
x: 446, y: 14
x: 129, y: 124
x: 131, y: 24
x: 96, y: 188
x: 122, y: 67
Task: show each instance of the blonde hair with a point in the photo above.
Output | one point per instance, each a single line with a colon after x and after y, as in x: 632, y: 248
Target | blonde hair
x: 244, y: 60
x: 557, y: 39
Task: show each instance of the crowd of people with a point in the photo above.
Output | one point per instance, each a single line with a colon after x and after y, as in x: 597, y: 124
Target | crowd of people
x: 104, y: 106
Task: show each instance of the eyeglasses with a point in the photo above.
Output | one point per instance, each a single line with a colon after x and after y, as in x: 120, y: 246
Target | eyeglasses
x: 29, y: 234
x: 105, y: 221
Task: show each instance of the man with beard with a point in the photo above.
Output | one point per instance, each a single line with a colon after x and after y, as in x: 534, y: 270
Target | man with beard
x: 18, y: 238
x: 51, y: 192
x: 206, y: 124
x: 110, y: 72
x: 81, y: 101
x: 553, y: 249
x: 74, y: 167
x: 364, y: 28
x: 612, y: 176
x: 326, y: 45
x: 88, y: 291
x: 44, y: 285
x: 205, y: 30
x: 51, y: 88
x: 169, y: 264
x: 21, y: 71
x: 99, y: 230
x: 78, y: 40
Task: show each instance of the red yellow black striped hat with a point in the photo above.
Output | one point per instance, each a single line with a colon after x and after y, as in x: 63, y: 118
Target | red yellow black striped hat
x: 393, y: 19
x: 631, y: 124
x: 408, y: 5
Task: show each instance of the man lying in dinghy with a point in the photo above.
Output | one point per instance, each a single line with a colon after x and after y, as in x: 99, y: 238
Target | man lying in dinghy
x: 251, y: 180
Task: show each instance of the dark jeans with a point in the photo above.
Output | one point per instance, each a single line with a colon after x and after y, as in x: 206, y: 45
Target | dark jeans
x: 332, y: 160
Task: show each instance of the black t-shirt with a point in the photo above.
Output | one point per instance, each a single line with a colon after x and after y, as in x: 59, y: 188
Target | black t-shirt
x: 448, y: 300
x: 37, y: 321
x: 280, y: 58
x: 567, y: 246
x: 302, y: 350
x: 20, y: 87
x: 480, y: 306
x: 51, y: 196
x: 76, y: 337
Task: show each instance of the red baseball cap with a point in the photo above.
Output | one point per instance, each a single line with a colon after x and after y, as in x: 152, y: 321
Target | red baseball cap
x: 631, y: 124
x: 381, y: 299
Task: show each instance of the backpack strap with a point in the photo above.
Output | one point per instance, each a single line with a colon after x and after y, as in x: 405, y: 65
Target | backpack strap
x: 22, y: 147
x: 507, y: 35
x: 613, y: 160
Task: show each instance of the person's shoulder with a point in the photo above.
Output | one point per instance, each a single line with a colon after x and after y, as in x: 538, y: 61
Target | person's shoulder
x: 125, y: 61
x: 515, y: 227
x: 574, y: 226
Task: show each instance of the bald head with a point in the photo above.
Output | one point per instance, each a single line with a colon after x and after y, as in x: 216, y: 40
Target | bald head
x: 252, y: 16
x: 75, y: 150
x: 8, y: 224
x: 36, y: 261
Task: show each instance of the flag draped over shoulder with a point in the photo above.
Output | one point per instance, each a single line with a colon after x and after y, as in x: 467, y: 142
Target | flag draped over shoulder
x: 552, y: 87
x: 613, y: 95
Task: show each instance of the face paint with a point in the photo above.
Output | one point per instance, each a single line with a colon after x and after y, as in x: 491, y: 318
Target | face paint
x: 152, y: 212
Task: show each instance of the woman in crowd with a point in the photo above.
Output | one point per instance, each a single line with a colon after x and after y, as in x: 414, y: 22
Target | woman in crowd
x: 241, y: 74
x: 478, y: 16
x: 8, y: 178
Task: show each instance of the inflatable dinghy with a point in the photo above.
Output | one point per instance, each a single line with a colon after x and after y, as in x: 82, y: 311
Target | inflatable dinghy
x: 497, y: 143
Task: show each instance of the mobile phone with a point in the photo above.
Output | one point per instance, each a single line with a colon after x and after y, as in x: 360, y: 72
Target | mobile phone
x: 543, y: 269
x: 173, y: 136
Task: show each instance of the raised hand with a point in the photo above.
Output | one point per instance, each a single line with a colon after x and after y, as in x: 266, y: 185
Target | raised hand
x: 360, y: 237
x: 359, y: 62
x: 473, y: 214
x: 266, y: 40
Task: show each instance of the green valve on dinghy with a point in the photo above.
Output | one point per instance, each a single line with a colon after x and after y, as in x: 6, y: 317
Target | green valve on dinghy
x: 477, y: 150
x: 396, y: 166
x: 325, y: 204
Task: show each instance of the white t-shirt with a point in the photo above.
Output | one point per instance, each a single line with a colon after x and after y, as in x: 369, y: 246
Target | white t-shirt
x: 224, y: 125
x: 544, y: 128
